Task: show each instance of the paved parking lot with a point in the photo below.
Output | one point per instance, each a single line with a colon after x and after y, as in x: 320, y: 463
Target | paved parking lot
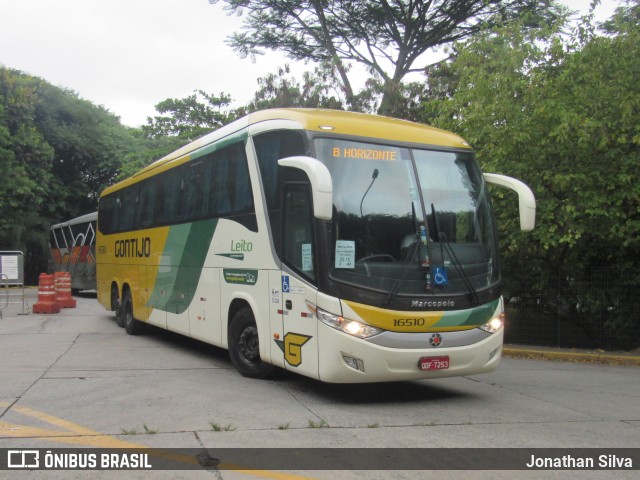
x: 75, y: 379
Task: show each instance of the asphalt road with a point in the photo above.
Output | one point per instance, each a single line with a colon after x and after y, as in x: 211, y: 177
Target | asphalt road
x: 75, y: 379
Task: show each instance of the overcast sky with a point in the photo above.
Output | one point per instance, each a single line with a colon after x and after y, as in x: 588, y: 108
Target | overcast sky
x: 128, y: 55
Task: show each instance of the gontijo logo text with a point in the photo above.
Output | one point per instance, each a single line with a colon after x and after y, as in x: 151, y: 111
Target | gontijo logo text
x: 133, y: 247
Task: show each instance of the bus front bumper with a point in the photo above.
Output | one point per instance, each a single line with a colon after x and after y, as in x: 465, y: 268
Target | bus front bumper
x: 346, y: 359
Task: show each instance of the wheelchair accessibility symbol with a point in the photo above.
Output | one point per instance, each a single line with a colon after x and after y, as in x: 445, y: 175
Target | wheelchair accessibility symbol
x: 285, y: 283
x: 440, y: 276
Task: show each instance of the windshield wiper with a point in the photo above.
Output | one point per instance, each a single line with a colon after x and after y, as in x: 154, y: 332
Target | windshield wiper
x: 445, y: 245
x: 411, y: 253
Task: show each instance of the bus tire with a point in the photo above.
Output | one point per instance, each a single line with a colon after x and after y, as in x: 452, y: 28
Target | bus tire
x: 244, y: 350
x: 119, y: 315
x: 131, y: 325
x: 119, y: 320
x: 116, y: 305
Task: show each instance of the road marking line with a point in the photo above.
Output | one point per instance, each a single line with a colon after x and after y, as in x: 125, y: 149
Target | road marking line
x: 75, y: 434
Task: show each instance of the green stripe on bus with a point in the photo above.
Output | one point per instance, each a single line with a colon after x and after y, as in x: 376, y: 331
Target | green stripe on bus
x: 477, y: 316
x: 185, y: 252
x: 220, y: 144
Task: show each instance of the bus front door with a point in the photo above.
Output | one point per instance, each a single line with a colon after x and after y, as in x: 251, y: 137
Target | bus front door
x: 300, y: 331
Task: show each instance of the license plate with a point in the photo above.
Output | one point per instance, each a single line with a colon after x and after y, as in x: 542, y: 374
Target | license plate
x: 434, y: 363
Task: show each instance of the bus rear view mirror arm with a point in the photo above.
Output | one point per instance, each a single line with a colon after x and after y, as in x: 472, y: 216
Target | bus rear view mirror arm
x: 526, y: 199
x: 321, y: 184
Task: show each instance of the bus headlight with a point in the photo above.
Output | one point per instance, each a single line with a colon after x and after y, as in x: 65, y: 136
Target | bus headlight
x: 493, y: 325
x: 352, y: 327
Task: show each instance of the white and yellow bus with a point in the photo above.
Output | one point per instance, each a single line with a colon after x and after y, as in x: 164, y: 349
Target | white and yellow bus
x: 341, y: 246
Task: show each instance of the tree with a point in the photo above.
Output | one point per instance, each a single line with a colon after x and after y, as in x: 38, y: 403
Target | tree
x: 88, y: 144
x: 564, y: 118
x: 57, y: 153
x: 282, y: 90
x: 190, y: 117
x: 183, y: 120
x: 146, y: 152
x: 388, y: 37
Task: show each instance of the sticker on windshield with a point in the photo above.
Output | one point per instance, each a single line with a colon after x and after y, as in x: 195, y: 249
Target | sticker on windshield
x: 440, y: 276
x: 345, y: 254
x: 307, y: 258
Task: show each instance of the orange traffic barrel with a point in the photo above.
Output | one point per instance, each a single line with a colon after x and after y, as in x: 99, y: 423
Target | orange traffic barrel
x: 46, y: 295
x: 63, y: 290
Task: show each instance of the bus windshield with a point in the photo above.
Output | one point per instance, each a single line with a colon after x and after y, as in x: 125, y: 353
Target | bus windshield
x: 408, y: 220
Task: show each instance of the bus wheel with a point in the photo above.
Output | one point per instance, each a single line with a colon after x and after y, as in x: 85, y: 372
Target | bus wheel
x: 116, y: 305
x: 244, y: 350
x: 131, y: 325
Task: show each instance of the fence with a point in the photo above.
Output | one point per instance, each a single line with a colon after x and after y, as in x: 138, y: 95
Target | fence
x: 598, y: 312
x: 11, y: 279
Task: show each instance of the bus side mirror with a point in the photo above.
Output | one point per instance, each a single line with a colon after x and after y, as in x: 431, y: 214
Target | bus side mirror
x: 321, y: 184
x: 526, y: 199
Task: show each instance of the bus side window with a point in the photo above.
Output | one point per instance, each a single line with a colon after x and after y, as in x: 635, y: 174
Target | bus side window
x: 146, y: 203
x: 159, y: 212
x: 221, y: 173
x: 193, y: 192
x: 60, y: 240
x: 170, y: 200
x: 53, y: 243
x: 271, y: 147
x: 106, y: 213
x: 231, y: 186
x: 127, y: 209
x: 297, y: 229
x: 240, y: 183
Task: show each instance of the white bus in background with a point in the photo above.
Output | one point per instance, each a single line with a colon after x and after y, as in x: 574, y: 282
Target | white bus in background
x: 73, y: 249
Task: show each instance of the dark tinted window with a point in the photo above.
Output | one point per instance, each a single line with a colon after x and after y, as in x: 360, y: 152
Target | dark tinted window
x: 214, y: 186
x: 271, y: 147
x: 297, y: 235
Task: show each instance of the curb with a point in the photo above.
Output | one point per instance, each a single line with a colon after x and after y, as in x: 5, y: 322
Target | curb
x: 572, y: 356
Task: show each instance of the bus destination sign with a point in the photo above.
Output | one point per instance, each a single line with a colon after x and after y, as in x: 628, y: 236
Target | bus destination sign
x: 365, y: 153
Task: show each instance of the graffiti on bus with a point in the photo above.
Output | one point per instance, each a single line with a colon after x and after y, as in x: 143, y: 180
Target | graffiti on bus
x: 72, y: 245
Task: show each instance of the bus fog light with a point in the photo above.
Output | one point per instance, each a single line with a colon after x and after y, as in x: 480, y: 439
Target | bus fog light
x: 353, y: 362
x: 494, y: 325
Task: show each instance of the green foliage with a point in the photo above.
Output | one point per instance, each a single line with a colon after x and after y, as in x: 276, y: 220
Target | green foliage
x: 564, y: 118
x: 388, y: 38
x: 190, y: 117
x: 283, y: 90
x: 146, y: 152
x: 57, y: 152
x: 183, y: 120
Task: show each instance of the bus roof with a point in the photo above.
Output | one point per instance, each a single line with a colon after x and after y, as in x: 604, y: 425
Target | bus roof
x: 89, y: 217
x: 320, y: 120
x: 362, y: 125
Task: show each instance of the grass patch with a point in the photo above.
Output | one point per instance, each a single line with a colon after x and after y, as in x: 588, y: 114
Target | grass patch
x: 148, y: 430
x: 222, y: 428
x: 320, y: 424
